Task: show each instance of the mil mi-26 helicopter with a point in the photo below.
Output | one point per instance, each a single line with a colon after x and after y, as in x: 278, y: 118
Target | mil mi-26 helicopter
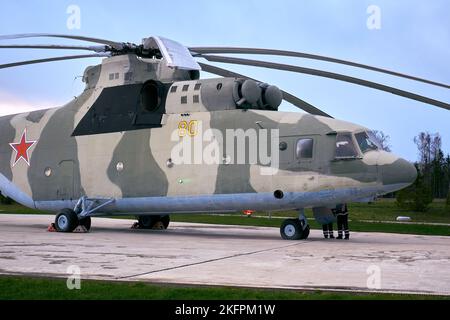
x: 111, y: 149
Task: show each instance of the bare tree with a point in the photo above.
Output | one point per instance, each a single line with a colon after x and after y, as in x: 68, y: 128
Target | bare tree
x: 383, y: 139
x: 436, y: 145
x: 423, y: 142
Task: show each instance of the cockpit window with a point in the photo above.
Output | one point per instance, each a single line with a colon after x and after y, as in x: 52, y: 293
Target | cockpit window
x: 367, y: 141
x: 345, y: 147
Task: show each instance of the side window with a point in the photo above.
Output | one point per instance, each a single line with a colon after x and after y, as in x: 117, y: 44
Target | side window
x: 304, y: 148
x: 345, y: 147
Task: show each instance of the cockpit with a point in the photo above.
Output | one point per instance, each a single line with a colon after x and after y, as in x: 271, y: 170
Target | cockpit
x: 354, y: 145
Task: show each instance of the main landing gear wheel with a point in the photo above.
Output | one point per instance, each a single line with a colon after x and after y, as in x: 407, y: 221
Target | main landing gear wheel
x: 66, y: 220
x: 154, y: 222
x: 293, y: 229
x: 86, y: 222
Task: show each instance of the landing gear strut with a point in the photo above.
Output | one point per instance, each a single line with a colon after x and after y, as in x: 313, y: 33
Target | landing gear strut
x: 154, y: 222
x: 67, y: 220
x: 295, y: 229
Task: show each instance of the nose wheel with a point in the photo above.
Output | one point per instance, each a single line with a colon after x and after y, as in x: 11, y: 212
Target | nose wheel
x: 295, y: 229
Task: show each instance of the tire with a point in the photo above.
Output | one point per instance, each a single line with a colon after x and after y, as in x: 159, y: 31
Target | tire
x: 165, y: 221
x: 154, y: 222
x: 305, y: 233
x: 146, y: 222
x: 66, y: 220
x: 86, y: 222
x: 291, y: 229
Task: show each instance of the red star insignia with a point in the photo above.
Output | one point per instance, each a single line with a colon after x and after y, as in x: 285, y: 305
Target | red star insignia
x: 22, y: 148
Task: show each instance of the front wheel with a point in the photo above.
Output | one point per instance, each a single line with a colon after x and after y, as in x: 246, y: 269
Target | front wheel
x: 291, y: 229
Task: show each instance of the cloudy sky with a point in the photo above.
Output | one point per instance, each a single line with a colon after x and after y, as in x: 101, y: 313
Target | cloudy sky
x: 413, y: 38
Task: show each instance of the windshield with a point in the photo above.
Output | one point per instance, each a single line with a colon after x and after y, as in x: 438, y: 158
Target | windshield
x: 344, y: 146
x: 367, y: 141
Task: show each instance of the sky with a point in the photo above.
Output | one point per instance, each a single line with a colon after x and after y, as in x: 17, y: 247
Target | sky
x: 408, y: 36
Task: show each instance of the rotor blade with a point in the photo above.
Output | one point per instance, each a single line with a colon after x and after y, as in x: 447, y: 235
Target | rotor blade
x: 113, y: 44
x: 326, y: 74
x: 232, y: 50
x: 54, y: 46
x: 22, y: 63
x: 299, y: 103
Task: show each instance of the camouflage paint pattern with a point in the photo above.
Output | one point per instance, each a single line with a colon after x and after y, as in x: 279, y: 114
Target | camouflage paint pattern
x: 135, y: 164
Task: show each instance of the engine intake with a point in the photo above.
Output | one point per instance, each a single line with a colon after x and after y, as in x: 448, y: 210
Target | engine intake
x: 249, y: 94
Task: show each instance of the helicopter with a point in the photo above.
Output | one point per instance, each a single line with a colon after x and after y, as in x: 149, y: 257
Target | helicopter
x: 148, y: 137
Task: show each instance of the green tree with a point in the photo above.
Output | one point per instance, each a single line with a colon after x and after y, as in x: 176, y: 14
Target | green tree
x: 416, y: 197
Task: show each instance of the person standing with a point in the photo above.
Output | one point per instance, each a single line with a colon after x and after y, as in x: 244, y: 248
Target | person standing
x: 342, y: 221
x: 328, y: 230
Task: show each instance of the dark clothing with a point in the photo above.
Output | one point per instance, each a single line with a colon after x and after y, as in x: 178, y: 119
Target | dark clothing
x: 342, y: 221
x: 328, y: 230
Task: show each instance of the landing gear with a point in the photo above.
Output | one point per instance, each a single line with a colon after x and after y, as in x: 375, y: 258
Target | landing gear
x: 66, y: 220
x: 291, y: 229
x: 86, y: 222
x: 154, y: 222
x: 295, y: 229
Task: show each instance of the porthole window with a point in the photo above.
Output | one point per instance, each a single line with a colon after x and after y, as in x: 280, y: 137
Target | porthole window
x: 150, y: 99
x: 283, y: 145
x: 48, y: 172
x: 119, y: 166
x: 305, y: 148
x: 219, y: 86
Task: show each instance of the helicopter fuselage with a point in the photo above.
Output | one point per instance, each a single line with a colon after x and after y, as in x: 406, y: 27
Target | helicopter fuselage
x: 145, y: 145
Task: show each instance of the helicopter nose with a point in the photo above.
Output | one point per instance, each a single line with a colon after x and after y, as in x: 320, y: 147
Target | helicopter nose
x: 400, y: 171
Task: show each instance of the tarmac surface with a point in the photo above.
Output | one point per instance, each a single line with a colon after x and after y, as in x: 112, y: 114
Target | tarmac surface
x: 203, y: 254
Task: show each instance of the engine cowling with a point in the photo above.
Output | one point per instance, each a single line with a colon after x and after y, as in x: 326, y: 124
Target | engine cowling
x: 256, y: 95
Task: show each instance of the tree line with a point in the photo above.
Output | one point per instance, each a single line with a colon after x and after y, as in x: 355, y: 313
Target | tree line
x: 433, y: 178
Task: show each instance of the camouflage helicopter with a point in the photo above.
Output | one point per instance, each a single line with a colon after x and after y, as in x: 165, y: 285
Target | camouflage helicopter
x: 110, y: 150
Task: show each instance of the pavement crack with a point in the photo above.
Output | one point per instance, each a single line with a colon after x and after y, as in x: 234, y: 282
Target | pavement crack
x: 211, y: 260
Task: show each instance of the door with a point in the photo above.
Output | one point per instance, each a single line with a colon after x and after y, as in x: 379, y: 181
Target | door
x: 287, y: 150
x: 300, y: 154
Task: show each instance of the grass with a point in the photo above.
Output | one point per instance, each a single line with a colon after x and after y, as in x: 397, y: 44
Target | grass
x: 379, y: 216
x: 375, y: 217
x: 354, y: 225
x: 19, y: 209
x: 21, y: 288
